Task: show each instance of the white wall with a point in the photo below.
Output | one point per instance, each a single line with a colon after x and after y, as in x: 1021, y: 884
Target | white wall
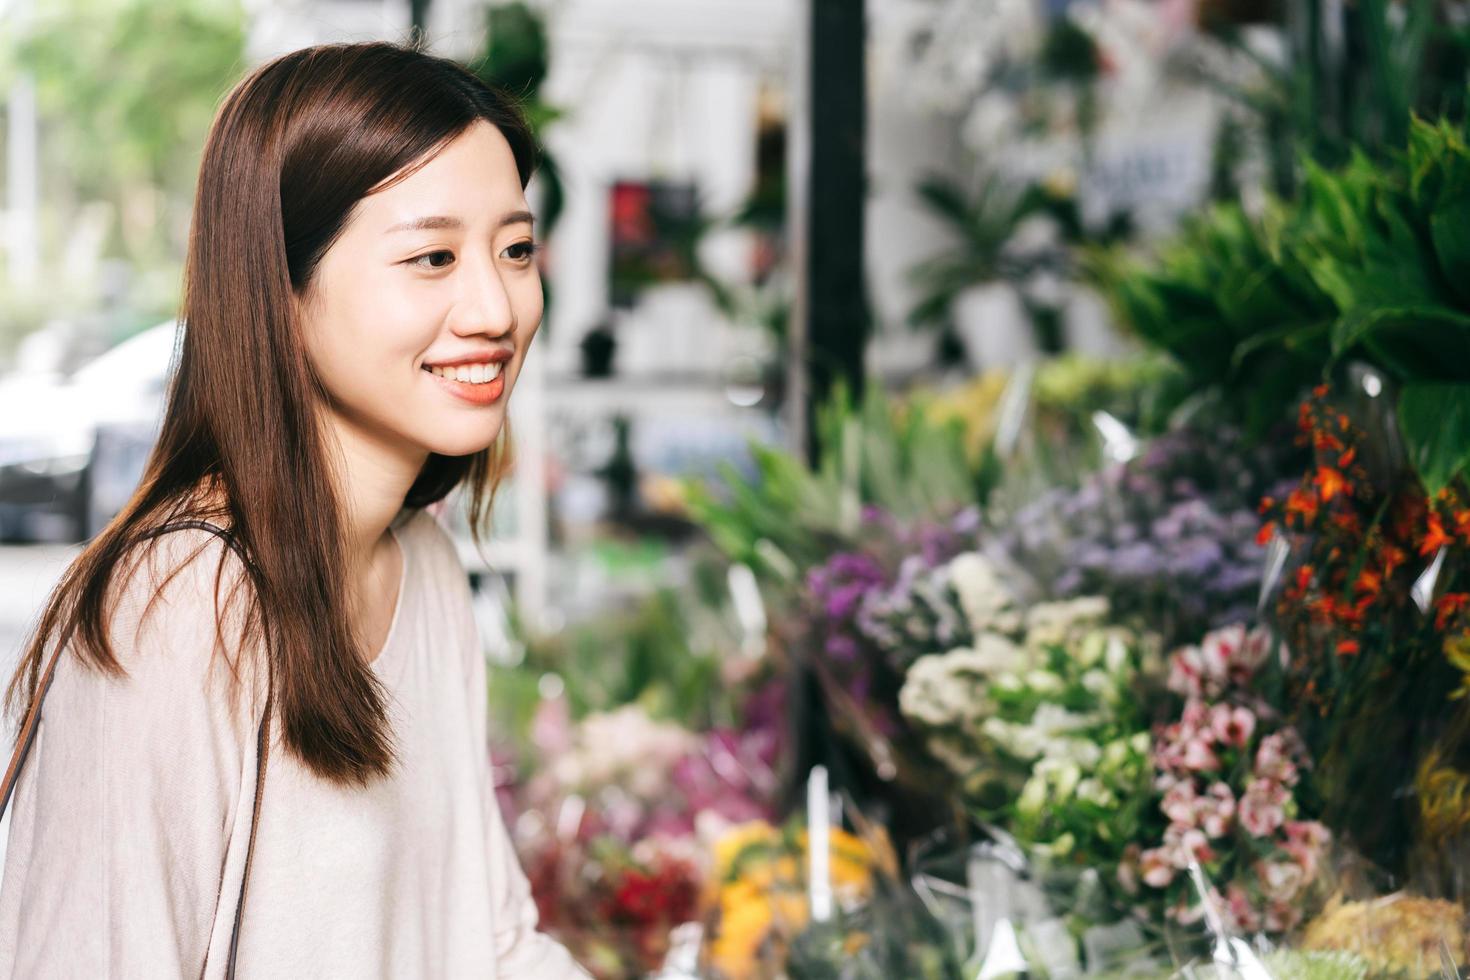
x: 654, y: 88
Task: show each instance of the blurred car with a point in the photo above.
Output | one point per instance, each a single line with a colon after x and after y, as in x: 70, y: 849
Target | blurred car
x: 72, y: 447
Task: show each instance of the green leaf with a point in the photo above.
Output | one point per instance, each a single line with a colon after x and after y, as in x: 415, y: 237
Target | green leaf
x: 1435, y: 422
x: 1417, y: 342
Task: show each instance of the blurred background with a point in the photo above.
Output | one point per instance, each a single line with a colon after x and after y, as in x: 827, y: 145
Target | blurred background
x: 991, y: 495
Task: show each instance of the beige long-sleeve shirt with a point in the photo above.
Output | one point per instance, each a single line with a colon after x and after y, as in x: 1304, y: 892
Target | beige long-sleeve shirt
x: 131, y: 820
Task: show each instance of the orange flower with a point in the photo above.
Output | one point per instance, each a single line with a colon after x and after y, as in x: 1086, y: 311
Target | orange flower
x: 1302, y: 504
x: 1447, y: 605
x: 1347, y: 647
x: 1434, y: 536
x: 1266, y: 533
x: 1303, y: 578
x: 1392, y: 557
x: 1461, y: 518
x: 1369, y: 582
x: 1320, y: 391
x: 1330, y: 483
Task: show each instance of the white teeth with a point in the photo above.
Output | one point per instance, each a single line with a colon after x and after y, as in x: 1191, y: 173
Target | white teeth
x: 469, y: 373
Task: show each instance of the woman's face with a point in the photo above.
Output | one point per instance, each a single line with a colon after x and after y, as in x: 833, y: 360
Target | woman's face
x: 433, y: 275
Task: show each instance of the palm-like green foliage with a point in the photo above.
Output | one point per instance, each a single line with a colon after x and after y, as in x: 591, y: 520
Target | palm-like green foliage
x: 1370, y: 262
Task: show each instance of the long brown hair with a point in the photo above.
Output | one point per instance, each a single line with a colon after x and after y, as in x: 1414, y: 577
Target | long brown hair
x: 295, y: 145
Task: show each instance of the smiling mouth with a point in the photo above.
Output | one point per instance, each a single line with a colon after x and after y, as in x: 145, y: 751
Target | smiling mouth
x: 476, y: 374
x: 474, y: 384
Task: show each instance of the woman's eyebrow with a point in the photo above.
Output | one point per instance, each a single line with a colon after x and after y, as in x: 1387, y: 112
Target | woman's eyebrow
x: 437, y: 221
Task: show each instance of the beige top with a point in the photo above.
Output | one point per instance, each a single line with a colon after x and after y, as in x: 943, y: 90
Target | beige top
x: 130, y: 822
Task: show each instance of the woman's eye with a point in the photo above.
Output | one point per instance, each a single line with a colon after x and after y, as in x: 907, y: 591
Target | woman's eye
x: 419, y: 260
x: 523, y: 250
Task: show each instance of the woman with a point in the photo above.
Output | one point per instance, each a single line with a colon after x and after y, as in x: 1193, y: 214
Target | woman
x: 268, y: 673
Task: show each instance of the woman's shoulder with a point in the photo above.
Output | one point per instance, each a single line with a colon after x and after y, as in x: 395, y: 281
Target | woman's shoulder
x: 180, y: 607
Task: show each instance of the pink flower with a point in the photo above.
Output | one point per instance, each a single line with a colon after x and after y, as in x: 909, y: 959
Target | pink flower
x: 1232, y: 726
x: 1280, y: 880
x: 1224, y: 660
x: 1156, y: 867
x: 1187, y: 672
x: 1196, y: 716
x: 1240, y: 915
x: 1183, y: 843
x: 1274, y: 757
x: 1215, y: 812
x: 1263, y: 807
x: 1282, y: 916
x: 1200, y: 756
x: 1306, y: 840
x: 1179, y: 804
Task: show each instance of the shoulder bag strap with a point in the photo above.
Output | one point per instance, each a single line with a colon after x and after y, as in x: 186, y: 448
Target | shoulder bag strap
x: 27, y: 736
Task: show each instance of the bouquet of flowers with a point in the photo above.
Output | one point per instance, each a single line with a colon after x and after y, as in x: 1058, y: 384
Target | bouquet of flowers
x: 761, y: 892
x: 1230, y: 773
x: 1169, y: 537
x: 616, y: 829
x: 1043, y: 719
x: 1372, y: 603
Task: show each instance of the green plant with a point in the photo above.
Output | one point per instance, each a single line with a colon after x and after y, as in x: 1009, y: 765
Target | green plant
x: 1369, y: 263
x: 788, y: 516
x: 982, y: 225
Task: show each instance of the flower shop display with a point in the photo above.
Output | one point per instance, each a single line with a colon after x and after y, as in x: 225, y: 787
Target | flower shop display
x: 1171, y: 702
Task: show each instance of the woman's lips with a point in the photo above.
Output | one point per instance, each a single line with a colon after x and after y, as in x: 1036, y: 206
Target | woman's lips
x: 484, y: 393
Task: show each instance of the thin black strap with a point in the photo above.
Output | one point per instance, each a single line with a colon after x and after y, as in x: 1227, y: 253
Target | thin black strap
x: 27, y: 734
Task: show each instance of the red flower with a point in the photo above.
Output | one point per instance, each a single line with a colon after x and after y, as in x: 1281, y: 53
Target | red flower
x: 1266, y: 533
x: 1347, y: 647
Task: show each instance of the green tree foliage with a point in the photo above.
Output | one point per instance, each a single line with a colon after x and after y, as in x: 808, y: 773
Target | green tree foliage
x: 126, y: 90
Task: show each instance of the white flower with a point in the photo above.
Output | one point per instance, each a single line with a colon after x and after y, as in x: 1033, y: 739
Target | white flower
x: 1044, y: 682
x: 1056, y: 622
x: 987, y: 604
x: 1093, y: 791
x: 944, y: 688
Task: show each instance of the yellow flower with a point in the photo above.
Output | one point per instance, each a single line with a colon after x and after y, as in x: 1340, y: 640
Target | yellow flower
x: 737, y: 839
x: 850, y: 863
x: 745, y: 920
